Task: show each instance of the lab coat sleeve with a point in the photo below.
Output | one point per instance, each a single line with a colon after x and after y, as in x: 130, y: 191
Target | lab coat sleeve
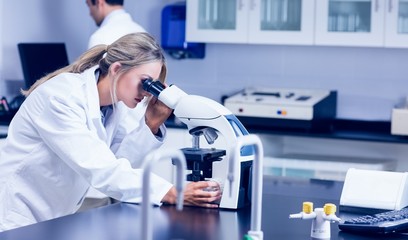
x: 63, y: 127
x: 138, y: 143
x: 134, y: 139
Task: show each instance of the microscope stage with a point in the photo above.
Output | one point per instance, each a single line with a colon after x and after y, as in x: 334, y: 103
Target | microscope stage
x: 203, y: 154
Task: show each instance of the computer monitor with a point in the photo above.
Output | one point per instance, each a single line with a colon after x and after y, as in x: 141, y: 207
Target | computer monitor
x: 39, y: 59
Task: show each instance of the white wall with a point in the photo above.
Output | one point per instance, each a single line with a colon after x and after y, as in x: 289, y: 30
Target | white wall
x: 39, y: 21
x: 369, y: 81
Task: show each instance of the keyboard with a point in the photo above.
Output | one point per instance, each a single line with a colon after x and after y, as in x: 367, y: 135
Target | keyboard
x: 385, y: 222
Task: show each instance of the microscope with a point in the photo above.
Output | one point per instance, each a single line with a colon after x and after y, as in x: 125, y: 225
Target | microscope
x: 207, y: 118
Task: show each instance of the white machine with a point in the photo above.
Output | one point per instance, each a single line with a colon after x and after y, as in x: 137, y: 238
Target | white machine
x: 282, y: 107
x: 206, y: 117
x: 374, y: 190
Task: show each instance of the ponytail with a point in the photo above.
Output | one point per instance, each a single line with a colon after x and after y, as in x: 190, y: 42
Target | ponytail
x: 130, y: 51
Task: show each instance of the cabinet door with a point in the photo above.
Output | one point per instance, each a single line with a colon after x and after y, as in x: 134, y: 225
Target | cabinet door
x: 397, y: 23
x: 350, y: 22
x: 220, y: 21
x: 281, y: 21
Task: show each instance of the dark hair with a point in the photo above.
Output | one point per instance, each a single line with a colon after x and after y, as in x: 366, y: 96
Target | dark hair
x: 110, y: 2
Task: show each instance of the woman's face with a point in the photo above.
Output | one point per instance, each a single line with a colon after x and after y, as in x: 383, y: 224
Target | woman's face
x: 129, y: 86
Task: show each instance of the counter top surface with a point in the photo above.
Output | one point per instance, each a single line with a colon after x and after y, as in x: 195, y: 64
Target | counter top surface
x: 281, y: 197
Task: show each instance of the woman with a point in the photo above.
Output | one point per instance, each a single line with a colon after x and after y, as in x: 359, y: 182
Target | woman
x: 59, y: 144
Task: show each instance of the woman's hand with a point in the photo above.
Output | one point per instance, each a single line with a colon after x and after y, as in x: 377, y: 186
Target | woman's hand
x: 156, y: 114
x: 202, y: 194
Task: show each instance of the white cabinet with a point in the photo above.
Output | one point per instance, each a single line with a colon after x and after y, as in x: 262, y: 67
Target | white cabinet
x: 350, y: 22
x: 396, y: 17
x: 375, y: 23
x: 368, y: 23
x: 250, y: 21
x: 281, y: 22
x: 222, y: 21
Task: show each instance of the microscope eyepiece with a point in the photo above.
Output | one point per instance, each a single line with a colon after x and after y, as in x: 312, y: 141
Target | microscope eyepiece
x: 153, y: 87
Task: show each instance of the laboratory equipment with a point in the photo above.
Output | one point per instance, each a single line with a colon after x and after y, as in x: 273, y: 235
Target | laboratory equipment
x: 4, y: 106
x: 173, y: 31
x: 200, y: 160
x: 291, y: 108
x: 373, y: 190
x: 382, y: 223
x: 399, y: 119
x: 208, y: 117
x: 322, y: 217
x: 151, y: 159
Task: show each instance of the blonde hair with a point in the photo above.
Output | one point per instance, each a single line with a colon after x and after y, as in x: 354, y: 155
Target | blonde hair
x: 130, y: 51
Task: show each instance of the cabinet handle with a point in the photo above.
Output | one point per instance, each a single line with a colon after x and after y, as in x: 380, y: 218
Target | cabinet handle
x: 377, y: 5
x: 240, y: 5
x: 390, y: 6
x: 252, y: 5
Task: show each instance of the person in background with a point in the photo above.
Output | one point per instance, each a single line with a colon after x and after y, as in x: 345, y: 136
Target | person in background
x: 74, y: 131
x: 113, y: 21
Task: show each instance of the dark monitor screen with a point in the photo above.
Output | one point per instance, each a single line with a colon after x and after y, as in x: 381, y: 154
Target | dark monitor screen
x: 39, y: 59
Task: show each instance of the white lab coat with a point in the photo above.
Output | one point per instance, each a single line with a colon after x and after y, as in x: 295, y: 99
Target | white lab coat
x: 57, y: 148
x: 117, y: 24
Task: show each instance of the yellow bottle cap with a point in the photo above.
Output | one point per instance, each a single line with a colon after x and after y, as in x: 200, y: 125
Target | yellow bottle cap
x: 329, y: 208
x: 307, y: 207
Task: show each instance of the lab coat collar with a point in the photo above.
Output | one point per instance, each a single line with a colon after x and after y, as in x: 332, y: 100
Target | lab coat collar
x: 112, y: 15
x: 94, y: 113
x: 92, y: 90
x: 120, y: 109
